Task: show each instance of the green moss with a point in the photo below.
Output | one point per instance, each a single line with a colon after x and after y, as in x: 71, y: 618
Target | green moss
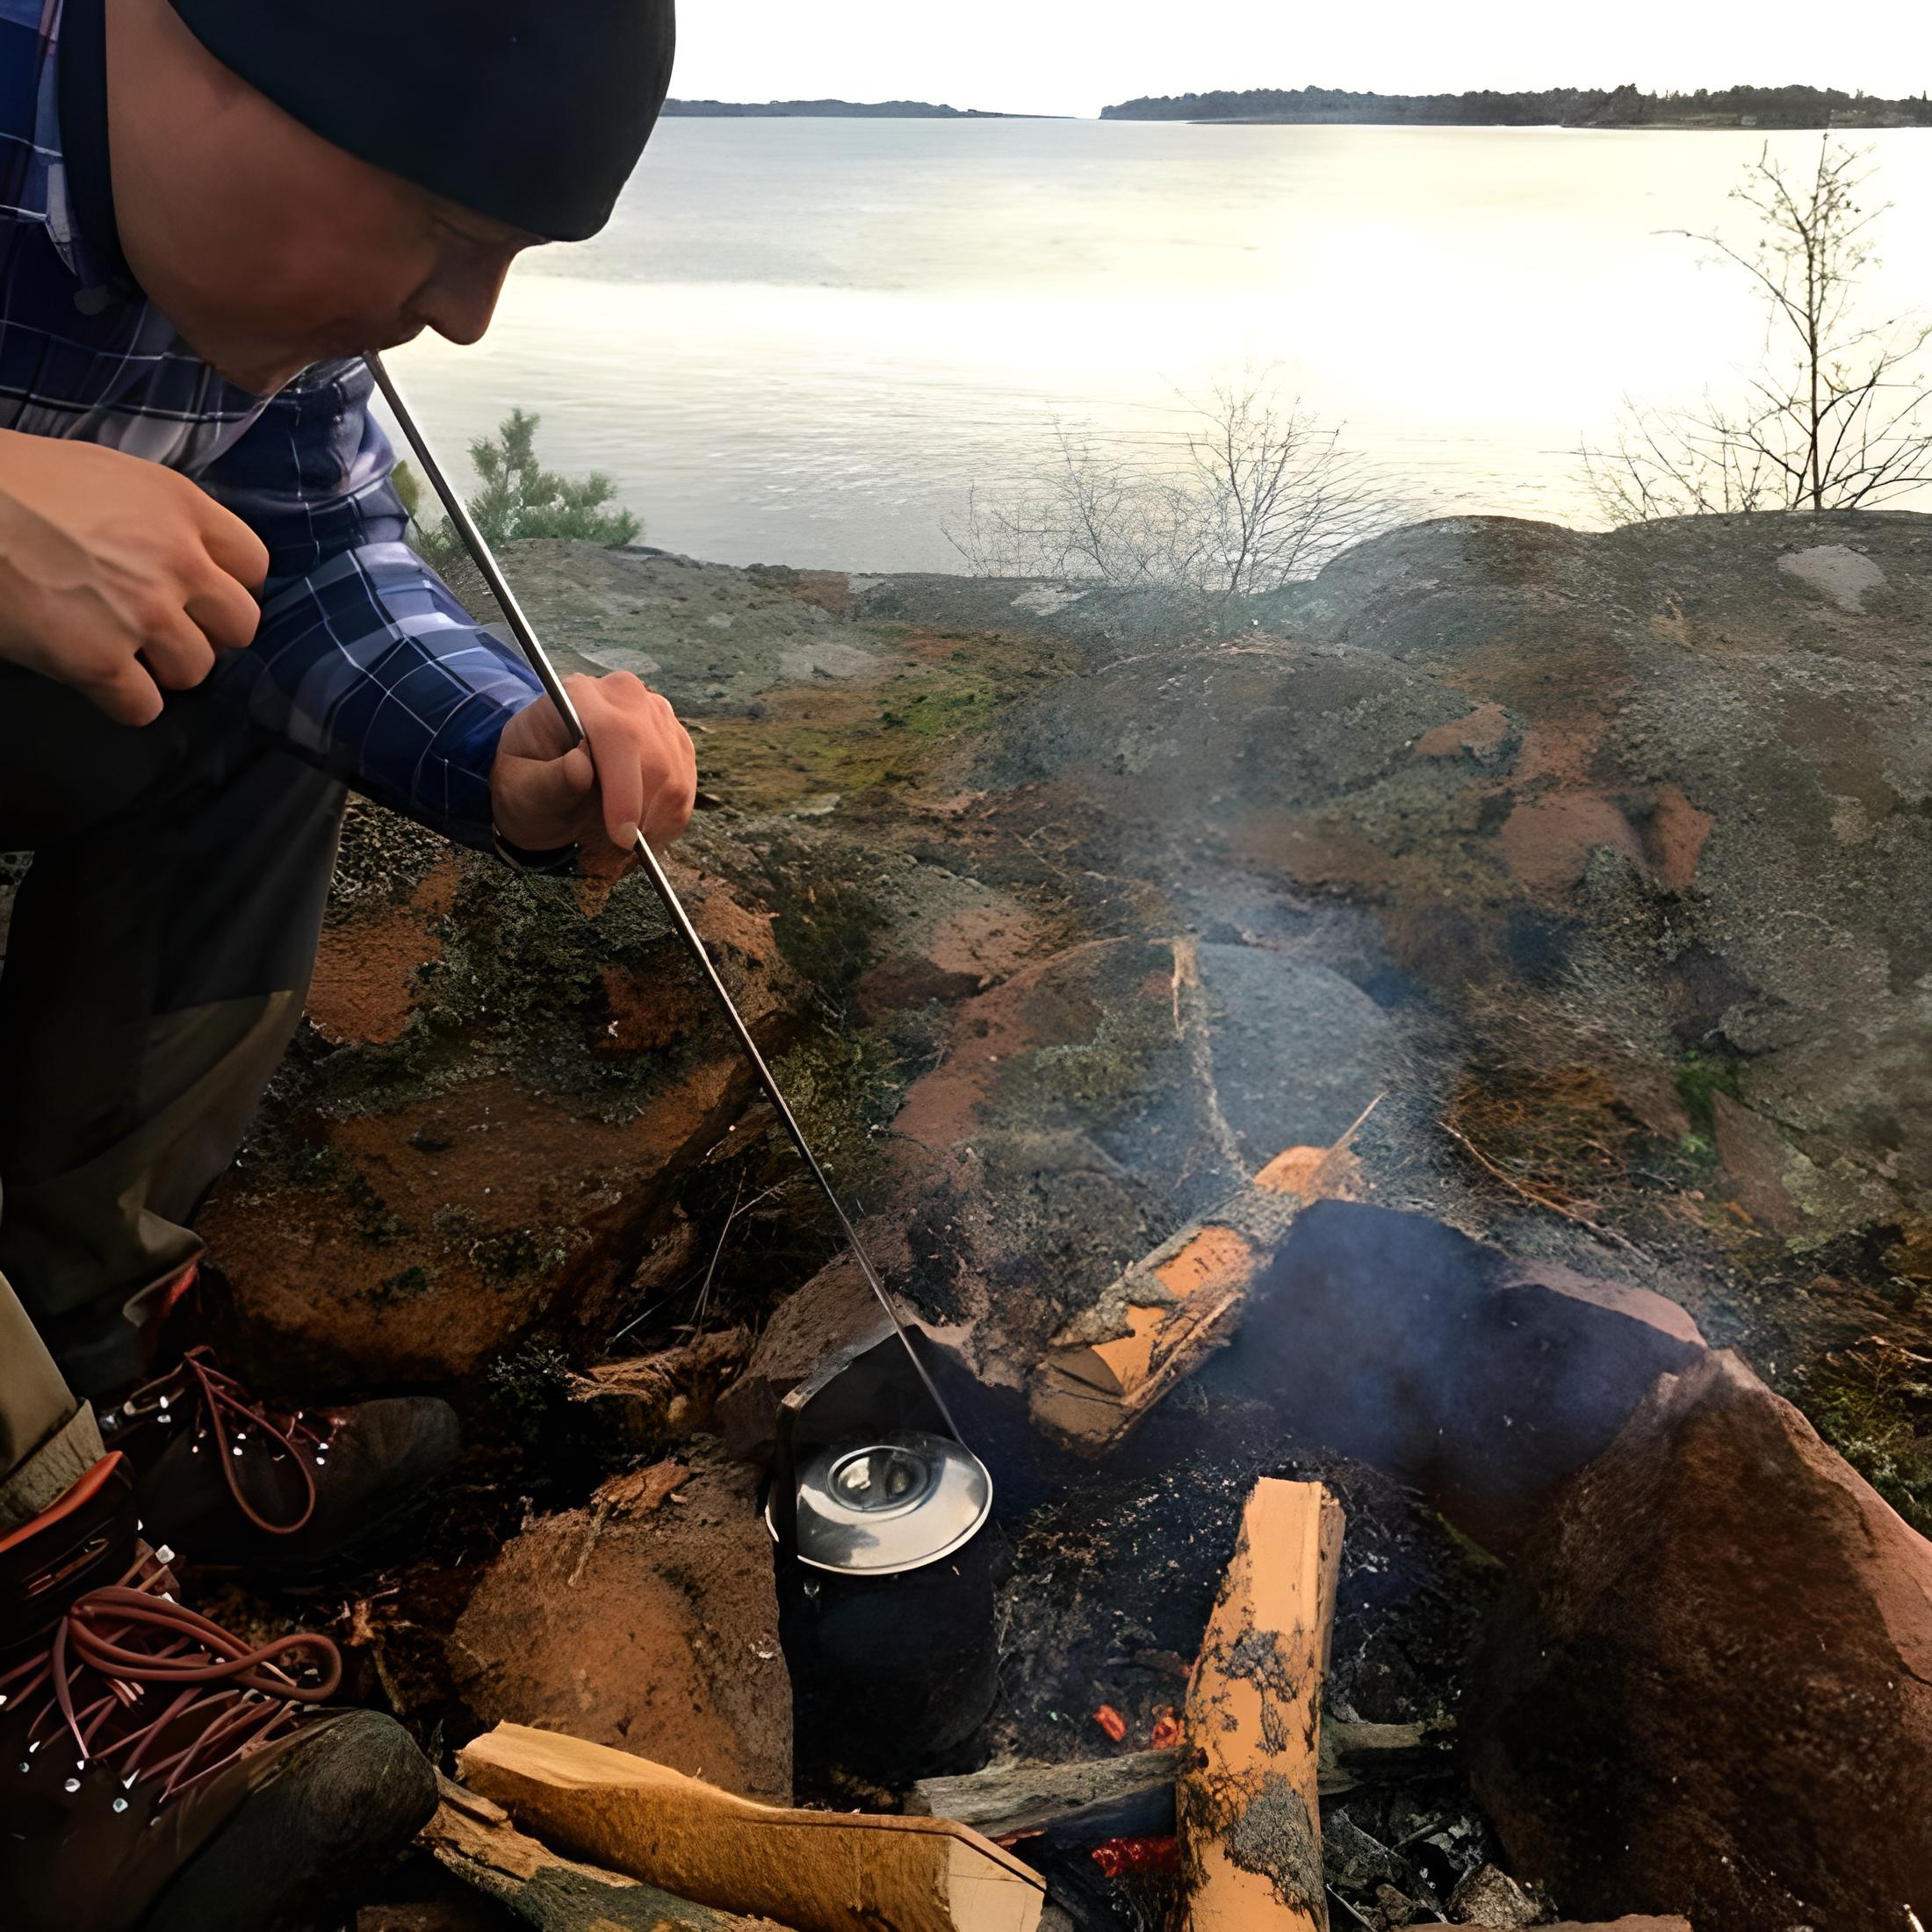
x: 1117, y: 1067
x: 404, y: 1286
x: 518, y: 1252
x: 942, y: 709
x: 520, y: 989
x: 844, y: 1087
x: 528, y: 1385
x: 827, y: 924
x: 1871, y: 1408
x: 1699, y: 1078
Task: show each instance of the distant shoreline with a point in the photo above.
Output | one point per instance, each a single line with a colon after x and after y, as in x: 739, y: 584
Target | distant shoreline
x: 834, y: 110
x: 1761, y: 109
x: 1751, y: 109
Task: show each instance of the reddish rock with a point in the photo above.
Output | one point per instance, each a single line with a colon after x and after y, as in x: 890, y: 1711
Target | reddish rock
x: 1482, y: 1381
x: 1708, y: 1687
x: 1481, y: 735
x: 833, y: 1310
x: 520, y: 1077
x: 1757, y: 1160
x: 649, y: 1623
x: 1073, y: 1121
x: 1674, y: 835
x: 1548, y: 842
x: 367, y: 961
x: 949, y: 937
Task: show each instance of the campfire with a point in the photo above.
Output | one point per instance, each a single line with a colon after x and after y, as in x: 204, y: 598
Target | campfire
x: 1451, y: 1409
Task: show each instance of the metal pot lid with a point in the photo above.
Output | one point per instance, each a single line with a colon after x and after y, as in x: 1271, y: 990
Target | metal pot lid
x: 895, y: 1503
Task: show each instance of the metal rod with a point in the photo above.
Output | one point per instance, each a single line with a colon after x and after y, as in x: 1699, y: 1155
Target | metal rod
x: 478, y: 546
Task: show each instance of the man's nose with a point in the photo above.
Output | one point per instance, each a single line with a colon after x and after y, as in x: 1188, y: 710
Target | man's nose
x: 460, y: 300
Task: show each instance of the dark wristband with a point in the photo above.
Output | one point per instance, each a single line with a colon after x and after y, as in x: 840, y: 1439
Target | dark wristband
x: 558, y: 863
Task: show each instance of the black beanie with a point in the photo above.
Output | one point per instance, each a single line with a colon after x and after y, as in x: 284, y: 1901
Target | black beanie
x: 533, y: 111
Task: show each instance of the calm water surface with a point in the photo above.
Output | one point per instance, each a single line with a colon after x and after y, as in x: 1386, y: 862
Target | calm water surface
x: 803, y: 340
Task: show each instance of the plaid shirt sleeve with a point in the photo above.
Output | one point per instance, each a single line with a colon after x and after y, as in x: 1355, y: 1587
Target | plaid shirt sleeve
x: 364, y: 662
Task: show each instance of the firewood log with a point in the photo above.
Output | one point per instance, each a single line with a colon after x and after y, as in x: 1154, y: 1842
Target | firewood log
x: 1006, y: 1799
x: 557, y: 1894
x: 818, y: 1872
x: 1177, y: 1304
x: 1247, y: 1808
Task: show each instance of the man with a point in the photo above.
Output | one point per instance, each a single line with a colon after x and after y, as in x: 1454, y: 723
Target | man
x: 209, y: 625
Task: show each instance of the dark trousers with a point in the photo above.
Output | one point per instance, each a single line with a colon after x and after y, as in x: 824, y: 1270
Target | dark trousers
x: 156, y: 965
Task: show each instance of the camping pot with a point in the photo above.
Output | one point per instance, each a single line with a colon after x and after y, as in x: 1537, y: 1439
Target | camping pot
x: 888, y: 1557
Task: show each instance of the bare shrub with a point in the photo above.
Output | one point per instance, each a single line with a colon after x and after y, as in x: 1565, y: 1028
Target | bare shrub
x: 1836, y: 416
x: 1255, y: 493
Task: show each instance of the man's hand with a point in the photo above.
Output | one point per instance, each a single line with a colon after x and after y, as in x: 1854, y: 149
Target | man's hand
x: 640, y: 773
x: 117, y: 576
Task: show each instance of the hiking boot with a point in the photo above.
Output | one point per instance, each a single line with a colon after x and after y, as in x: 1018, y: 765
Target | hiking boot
x: 152, y: 1762
x: 242, y: 1482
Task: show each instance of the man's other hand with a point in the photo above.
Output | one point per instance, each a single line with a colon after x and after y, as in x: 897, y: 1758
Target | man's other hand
x: 640, y: 773
x: 117, y: 576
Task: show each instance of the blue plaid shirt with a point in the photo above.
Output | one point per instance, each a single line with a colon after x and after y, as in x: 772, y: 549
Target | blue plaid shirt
x: 364, y: 662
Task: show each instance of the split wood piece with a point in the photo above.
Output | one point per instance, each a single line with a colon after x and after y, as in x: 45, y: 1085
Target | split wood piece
x: 1249, y: 1823
x: 1006, y: 1800
x: 557, y: 1894
x: 819, y: 1871
x: 1089, y: 1394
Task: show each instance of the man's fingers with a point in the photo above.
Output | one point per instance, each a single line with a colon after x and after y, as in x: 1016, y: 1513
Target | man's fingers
x: 537, y: 731
x: 669, y: 811
x: 177, y: 654
x: 553, y: 788
x: 544, y: 798
x: 615, y: 743
x: 636, y: 754
x: 233, y: 545
x: 125, y: 691
x: 227, y: 615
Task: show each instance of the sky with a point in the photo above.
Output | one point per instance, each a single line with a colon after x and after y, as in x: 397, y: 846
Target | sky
x: 1073, y: 56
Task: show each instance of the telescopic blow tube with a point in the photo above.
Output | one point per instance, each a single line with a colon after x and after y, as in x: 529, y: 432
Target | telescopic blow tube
x: 478, y: 546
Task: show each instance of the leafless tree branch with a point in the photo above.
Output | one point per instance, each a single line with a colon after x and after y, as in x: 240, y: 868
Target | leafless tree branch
x: 1840, y: 416
x: 1255, y: 493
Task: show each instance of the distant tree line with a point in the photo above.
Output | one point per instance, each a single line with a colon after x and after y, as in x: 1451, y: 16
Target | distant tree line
x: 830, y: 109
x: 1768, y: 107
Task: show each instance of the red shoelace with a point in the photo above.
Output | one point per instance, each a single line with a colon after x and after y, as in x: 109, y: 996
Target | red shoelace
x: 226, y: 1413
x: 153, y: 1690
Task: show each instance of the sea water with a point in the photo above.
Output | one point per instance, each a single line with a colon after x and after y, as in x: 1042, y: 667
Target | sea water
x: 804, y: 342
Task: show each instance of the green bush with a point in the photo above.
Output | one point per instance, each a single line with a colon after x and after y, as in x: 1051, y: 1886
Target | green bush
x: 520, y: 498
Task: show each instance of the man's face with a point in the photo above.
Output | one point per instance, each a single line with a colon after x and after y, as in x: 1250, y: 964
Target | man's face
x: 266, y: 246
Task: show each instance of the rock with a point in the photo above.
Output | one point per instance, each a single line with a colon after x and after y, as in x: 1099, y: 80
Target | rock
x: 1757, y: 1160
x: 1070, y: 1127
x: 655, y: 1631
x: 1298, y: 1050
x: 944, y: 937
x: 707, y: 636
x: 1483, y: 1381
x: 1650, y: 793
x: 497, y: 1131
x: 1708, y: 1684
x: 835, y: 1309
